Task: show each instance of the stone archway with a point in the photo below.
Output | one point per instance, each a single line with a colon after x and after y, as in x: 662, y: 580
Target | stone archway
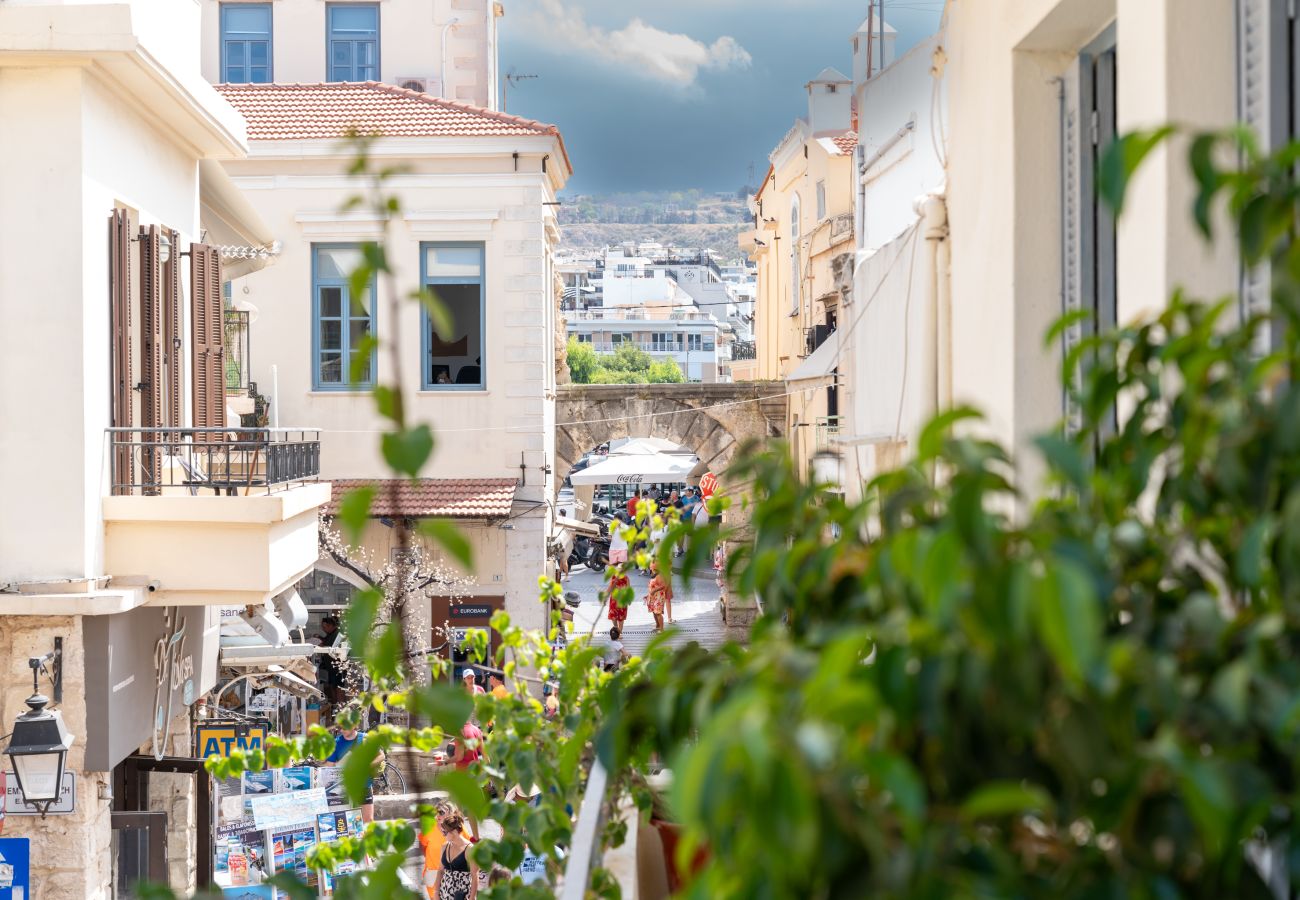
x: 712, y: 420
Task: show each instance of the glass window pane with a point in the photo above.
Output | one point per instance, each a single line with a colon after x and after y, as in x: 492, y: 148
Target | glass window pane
x: 357, y: 329
x: 367, y: 73
x: 331, y: 335
x: 331, y: 368
x: 360, y: 306
x: 366, y: 53
x: 357, y: 20
x: 363, y: 374
x: 456, y: 358
x: 259, y: 53
x: 235, y: 53
x: 453, y: 262
x: 341, y: 61
x: 337, y: 262
x: 331, y: 302
x: 259, y: 75
x: 247, y: 19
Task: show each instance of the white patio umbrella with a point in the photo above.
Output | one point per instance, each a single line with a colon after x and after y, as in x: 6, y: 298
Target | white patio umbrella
x: 638, y: 468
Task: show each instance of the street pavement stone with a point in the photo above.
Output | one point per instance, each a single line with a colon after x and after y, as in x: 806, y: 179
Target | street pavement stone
x: 697, y: 610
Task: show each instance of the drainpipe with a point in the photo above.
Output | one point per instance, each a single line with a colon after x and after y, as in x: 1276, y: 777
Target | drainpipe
x: 447, y: 26
x: 934, y: 222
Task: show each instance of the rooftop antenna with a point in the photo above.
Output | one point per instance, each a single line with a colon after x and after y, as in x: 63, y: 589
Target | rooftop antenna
x: 512, y: 78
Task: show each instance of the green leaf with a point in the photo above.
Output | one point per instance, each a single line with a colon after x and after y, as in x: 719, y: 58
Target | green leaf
x: 1208, y: 794
x: 293, y: 889
x: 360, y: 370
x: 359, y: 767
x: 1006, y: 798
x: 1252, y: 552
x: 407, y: 451
x: 1065, y: 458
x: 386, y: 654
x: 439, y: 318
x: 1231, y: 690
x: 445, y: 705
x: 354, y: 512
x: 359, y: 618
x: 448, y: 536
x: 388, y: 402
x: 1068, y: 615
x: 465, y: 790
x: 1121, y: 160
x: 937, y: 430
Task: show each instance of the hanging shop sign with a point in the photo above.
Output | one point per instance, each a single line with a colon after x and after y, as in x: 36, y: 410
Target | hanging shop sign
x: 218, y: 737
x: 15, y: 806
x: 471, y: 610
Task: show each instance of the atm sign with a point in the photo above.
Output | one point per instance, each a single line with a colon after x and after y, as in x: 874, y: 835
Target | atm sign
x: 221, y: 738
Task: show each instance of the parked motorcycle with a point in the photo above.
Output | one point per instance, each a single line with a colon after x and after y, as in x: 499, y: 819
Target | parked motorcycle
x: 598, y: 553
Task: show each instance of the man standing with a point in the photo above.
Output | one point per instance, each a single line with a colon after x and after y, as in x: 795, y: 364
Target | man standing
x: 631, y: 505
x: 350, y: 736
x: 329, y: 671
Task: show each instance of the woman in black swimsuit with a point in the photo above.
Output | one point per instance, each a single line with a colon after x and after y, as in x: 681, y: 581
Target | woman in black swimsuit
x: 458, y: 877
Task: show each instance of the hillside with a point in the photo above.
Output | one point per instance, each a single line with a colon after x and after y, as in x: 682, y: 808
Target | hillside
x: 676, y: 218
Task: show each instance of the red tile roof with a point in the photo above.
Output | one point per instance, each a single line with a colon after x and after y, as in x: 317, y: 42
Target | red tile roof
x: 428, y: 498
x: 327, y: 111
x: 846, y: 142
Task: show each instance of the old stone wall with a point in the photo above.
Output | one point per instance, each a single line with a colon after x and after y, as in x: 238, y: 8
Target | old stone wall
x: 70, y: 854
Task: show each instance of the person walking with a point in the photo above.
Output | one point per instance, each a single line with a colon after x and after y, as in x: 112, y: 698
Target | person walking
x: 617, y: 611
x: 659, y: 595
x: 617, y: 541
x: 350, y: 736
x: 457, y: 877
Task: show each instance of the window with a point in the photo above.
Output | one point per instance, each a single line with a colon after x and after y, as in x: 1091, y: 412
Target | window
x: 453, y: 274
x: 1088, y: 246
x: 246, y: 43
x: 340, y: 321
x: 821, y: 200
x: 794, y: 256
x: 584, y: 339
x: 693, y: 342
x: 621, y: 337
x: 353, y: 42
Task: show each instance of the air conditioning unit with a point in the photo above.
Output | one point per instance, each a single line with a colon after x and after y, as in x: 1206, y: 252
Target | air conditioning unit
x: 419, y: 85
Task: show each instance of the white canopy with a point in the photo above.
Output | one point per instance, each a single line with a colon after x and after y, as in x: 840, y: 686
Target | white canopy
x: 636, y: 468
x: 649, y: 446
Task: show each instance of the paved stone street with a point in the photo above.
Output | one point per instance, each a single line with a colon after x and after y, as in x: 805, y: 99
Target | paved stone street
x: 696, y: 610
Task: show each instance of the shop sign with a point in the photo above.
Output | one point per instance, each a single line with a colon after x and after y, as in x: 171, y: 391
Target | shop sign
x: 471, y: 610
x: 219, y: 738
x: 15, y: 868
x: 15, y: 806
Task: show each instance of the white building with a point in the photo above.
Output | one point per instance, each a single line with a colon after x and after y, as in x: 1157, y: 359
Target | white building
x: 475, y: 227
x: 125, y: 523
x: 447, y: 48
x: 689, y: 336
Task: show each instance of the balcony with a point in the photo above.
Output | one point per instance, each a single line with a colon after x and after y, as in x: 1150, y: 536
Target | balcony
x: 639, y: 314
x: 213, y: 516
x: 827, y: 429
x: 744, y: 350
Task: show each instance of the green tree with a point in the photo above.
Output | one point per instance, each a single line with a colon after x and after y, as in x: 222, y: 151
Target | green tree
x: 628, y: 357
x: 665, y: 371
x: 583, y: 361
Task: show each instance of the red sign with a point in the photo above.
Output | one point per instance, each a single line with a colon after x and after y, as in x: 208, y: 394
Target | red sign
x: 708, y: 484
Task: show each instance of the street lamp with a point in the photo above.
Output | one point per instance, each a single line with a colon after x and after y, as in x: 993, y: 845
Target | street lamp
x: 38, y: 747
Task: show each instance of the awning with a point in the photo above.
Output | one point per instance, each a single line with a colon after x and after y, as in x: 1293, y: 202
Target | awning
x: 648, y: 446
x: 821, y: 363
x: 575, y: 525
x: 230, y: 222
x: 650, y: 468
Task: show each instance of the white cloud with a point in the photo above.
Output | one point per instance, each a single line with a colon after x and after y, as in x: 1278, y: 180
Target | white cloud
x: 637, y: 47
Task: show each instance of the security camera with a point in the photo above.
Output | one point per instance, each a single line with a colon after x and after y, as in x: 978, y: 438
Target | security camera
x: 266, y: 624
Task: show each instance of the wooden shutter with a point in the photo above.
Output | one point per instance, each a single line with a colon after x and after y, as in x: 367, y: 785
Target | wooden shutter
x: 122, y: 379
x: 151, y: 353
x: 209, y: 394
x: 1263, y: 105
x: 172, y: 342
x: 1074, y: 274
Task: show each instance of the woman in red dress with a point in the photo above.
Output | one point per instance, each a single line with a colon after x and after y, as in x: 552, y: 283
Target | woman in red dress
x: 617, y: 612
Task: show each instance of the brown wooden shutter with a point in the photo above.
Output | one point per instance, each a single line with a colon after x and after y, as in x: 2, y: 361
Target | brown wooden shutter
x: 209, y: 394
x: 119, y: 293
x: 151, y: 353
x: 172, y: 342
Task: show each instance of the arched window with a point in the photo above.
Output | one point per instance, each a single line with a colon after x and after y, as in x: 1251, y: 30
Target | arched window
x: 795, y: 275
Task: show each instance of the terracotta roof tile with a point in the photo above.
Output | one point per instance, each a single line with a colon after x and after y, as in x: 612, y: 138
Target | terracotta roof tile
x: 451, y: 498
x: 846, y: 142
x: 327, y: 111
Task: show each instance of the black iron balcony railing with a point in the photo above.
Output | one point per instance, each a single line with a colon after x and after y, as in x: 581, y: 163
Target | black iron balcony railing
x: 199, y: 461
x: 238, y: 360
x: 744, y: 350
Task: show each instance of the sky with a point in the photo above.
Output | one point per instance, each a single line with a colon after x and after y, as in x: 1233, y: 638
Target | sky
x: 679, y: 94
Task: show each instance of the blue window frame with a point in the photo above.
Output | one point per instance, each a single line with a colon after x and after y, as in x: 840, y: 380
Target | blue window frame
x: 454, y: 274
x: 246, y: 43
x: 339, y: 320
x: 352, y: 42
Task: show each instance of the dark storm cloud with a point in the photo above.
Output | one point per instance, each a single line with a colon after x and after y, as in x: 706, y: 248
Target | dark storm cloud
x: 677, y: 94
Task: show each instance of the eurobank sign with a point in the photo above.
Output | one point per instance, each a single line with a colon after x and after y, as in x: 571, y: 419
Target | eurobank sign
x: 219, y: 737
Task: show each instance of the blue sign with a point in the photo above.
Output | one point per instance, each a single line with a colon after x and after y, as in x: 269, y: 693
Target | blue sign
x: 15, y: 869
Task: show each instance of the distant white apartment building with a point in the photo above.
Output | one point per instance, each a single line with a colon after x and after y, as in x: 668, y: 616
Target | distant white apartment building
x: 669, y: 303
